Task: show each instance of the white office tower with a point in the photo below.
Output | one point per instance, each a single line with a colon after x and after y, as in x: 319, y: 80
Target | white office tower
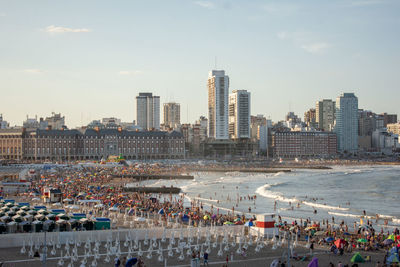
x: 172, y: 115
x: 148, y: 111
x: 239, y: 114
x: 346, y: 127
x: 218, y: 88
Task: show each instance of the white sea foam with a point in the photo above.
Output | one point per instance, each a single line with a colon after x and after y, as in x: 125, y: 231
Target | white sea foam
x: 278, y: 173
x: 205, y: 199
x: 262, y: 190
x: 396, y: 221
x: 323, y: 206
x: 344, y: 214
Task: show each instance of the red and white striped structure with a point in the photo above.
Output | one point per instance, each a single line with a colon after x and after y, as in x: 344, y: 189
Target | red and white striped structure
x: 265, y: 224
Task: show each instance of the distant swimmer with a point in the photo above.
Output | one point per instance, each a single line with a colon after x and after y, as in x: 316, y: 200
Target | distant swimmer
x: 315, y: 211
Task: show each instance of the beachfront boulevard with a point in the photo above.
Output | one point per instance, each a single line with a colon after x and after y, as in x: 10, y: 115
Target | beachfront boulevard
x: 100, y: 215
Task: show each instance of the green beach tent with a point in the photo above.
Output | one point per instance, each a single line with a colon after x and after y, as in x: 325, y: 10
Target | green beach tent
x: 357, y: 258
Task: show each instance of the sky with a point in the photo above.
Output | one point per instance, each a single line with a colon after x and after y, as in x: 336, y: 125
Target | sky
x: 90, y: 59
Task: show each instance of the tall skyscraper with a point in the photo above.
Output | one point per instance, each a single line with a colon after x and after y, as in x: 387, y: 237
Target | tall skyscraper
x: 172, y: 115
x: 239, y: 114
x: 346, y: 126
x: 218, y: 88
x: 325, y: 114
x: 148, y: 111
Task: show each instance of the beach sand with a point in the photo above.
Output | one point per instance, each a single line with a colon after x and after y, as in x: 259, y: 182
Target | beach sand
x: 264, y: 257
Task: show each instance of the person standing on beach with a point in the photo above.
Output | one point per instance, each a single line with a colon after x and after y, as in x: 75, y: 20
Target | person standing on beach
x: 311, y: 248
x: 205, y: 258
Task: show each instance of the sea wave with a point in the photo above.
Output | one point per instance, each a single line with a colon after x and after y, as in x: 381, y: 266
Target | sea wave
x: 344, y: 214
x: 278, y: 173
x: 262, y: 190
x: 396, y: 221
x: 205, y: 199
x: 381, y: 216
x: 323, y: 206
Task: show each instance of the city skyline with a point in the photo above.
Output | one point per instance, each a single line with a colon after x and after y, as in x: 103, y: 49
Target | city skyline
x: 88, y: 66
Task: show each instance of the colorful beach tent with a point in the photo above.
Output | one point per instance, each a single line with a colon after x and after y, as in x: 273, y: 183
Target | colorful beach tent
x: 394, y: 257
x: 329, y: 239
x: 313, y: 263
x: 249, y: 223
x: 339, y: 242
x: 357, y: 258
x: 131, y: 262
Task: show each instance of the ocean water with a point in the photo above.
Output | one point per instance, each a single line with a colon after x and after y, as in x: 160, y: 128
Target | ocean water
x: 342, y: 192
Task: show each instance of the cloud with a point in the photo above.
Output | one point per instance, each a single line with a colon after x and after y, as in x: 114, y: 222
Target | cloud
x: 57, y: 29
x: 315, y: 48
x: 305, y: 40
x: 33, y: 71
x: 130, y: 72
x: 205, y: 4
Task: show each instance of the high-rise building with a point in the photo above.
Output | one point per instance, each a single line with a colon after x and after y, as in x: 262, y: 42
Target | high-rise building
x: 172, y: 115
x: 325, y: 114
x: 388, y: 118
x: 218, y: 88
x: 148, y: 111
x: 239, y: 114
x: 346, y: 126
x: 310, y: 118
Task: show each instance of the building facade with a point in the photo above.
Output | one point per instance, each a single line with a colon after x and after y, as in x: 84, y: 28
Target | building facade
x: 325, y: 114
x: 346, y: 126
x: 310, y: 118
x: 218, y: 88
x: 394, y: 128
x: 172, y: 115
x: 92, y: 144
x: 55, y: 122
x: 11, y: 144
x: 389, y: 119
x: 148, y: 111
x: 304, y: 144
x: 239, y: 114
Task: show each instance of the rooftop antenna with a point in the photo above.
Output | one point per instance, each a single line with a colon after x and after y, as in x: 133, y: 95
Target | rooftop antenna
x: 187, y: 113
x: 215, y: 62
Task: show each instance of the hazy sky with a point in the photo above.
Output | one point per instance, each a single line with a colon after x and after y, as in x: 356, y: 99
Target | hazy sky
x: 88, y: 59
